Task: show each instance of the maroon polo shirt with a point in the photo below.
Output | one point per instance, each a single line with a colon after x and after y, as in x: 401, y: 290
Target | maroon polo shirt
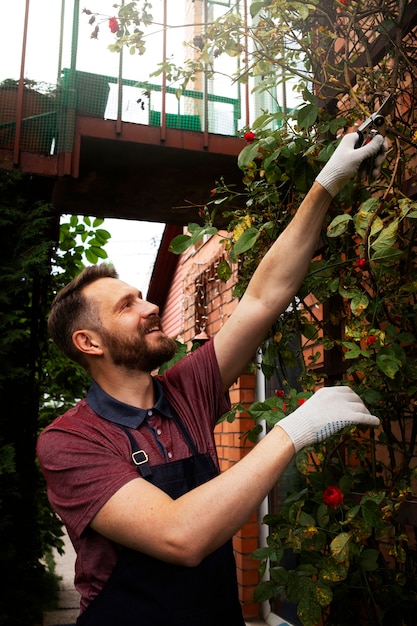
x: 85, y: 457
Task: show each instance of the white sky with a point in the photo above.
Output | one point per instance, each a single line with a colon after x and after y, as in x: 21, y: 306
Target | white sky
x: 132, y: 249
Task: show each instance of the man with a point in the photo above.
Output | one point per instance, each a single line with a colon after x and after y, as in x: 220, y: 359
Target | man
x: 132, y: 469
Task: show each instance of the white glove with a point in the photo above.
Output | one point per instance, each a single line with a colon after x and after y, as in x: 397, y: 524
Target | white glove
x: 345, y: 161
x: 329, y: 410
x: 379, y: 159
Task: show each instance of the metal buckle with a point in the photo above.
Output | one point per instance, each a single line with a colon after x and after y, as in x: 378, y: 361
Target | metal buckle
x: 141, y: 455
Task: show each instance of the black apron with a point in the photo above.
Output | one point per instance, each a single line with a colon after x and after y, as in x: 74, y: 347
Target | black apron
x: 144, y: 591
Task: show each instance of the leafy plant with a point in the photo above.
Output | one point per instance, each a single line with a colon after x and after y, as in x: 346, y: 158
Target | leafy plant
x: 34, y: 382
x: 357, y: 305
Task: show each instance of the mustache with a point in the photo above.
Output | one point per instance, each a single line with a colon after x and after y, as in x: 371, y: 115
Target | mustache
x: 153, y: 323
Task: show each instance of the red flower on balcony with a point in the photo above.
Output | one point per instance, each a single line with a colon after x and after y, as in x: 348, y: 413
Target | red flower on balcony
x: 113, y: 24
x: 332, y: 496
x: 370, y: 340
x: 249, y: 136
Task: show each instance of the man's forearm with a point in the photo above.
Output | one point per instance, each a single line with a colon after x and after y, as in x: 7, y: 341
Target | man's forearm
x: 283, y: 268
x: 272, y: 287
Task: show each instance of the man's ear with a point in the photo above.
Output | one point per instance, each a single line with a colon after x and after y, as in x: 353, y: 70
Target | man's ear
x: 87, y: 341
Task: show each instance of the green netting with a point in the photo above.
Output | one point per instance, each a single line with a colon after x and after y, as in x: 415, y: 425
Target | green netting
x: 41, y: 112
x: 140, y: 102
x: 48, y: 114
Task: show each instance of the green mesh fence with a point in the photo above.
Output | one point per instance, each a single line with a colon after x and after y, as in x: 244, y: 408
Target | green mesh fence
x: 41, y: 116
x: 48, y: 112
x: 98, y: 95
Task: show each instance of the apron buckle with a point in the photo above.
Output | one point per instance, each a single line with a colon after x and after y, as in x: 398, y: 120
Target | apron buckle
x: 139, y: 457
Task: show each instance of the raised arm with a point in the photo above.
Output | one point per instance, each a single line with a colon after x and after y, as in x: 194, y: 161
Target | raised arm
x: 282, y: 270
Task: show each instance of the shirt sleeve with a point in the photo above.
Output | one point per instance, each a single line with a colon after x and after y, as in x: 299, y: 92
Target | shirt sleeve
x: 84, y: 466
x: 195, y: 389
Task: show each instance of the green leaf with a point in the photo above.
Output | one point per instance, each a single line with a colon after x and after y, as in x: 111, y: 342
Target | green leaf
x: 369, y: 560
x: 99, y: 252
x: 201, y: 232
x: 387, y: 254
x: 308, y: 608
x: 339, y: 225
x: 353, y: 350
x: 224, y: 271
x: 261, y: 553
x: 307, y: 115
x: 247, y: 155
x: 386, y: 239
x: 102, y: 234
x: 246, y: 241
x: 302, y: 462
x: 323, y: 515
x: 180, y: 353
x: 91, y: 256
x: 333, y: 572
x: 359, y: 303
x: 364, y: 216
x: 306, y: 519
x: 264, y: 591
x: 323, y: 593
x: 180, y: 244
x: 340, y: 547
x: 387, y: 364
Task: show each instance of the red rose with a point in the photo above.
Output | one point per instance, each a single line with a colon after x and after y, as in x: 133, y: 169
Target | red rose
x: 249, y: 136
x: 113, y: 24
x: 332, y: 496
x: 280, y: 393
x: 370, y: 340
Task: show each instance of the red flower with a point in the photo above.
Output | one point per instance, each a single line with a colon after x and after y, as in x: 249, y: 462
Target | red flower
x: 332, y: 496
x: 301, y: 401
x: 213, y: 192
x: 280, y: 393
x: 370, y: 340
x: 249, y: 136
x: 113, y: 24
x: 361, y: 263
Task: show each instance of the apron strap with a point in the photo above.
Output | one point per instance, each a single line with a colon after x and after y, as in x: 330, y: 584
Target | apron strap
x: 139, y: 457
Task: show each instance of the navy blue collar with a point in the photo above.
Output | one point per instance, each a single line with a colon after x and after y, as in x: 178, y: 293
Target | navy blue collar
x: 115, y: 411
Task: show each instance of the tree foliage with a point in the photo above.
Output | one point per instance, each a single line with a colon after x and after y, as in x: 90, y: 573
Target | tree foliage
x: 354, y: 318
x: 35, y: 383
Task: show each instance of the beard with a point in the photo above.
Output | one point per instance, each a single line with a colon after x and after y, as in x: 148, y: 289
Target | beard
x: 142, y: 352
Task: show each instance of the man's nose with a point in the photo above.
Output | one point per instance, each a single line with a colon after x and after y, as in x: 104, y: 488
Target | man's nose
x: 148, y: 308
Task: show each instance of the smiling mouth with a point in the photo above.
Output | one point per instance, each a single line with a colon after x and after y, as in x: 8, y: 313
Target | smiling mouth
x: 153, y: 329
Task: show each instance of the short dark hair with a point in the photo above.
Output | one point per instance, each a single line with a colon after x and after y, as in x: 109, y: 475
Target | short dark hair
x: 70, y: 310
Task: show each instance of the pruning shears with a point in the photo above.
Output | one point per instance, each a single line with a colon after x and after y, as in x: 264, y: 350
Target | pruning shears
x: 375, y: 123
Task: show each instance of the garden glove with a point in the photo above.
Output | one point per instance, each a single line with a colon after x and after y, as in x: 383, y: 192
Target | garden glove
x: 329, y: 410
x: 345, y: 161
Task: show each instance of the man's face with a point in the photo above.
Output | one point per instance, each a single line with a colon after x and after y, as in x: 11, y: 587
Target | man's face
x: 131, y: 328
